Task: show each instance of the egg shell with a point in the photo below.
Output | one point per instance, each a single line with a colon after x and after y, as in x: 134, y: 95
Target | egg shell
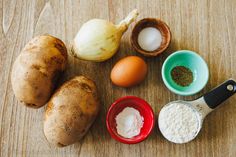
x: 129, y: 71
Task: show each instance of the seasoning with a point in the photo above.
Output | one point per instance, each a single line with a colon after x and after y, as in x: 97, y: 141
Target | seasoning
x: 182, y: 76
x: 129, y: 122
x: 149, y: 39
x: 178, y: 122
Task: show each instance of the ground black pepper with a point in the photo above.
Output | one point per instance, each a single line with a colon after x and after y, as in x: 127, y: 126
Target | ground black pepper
x: 182, y: 76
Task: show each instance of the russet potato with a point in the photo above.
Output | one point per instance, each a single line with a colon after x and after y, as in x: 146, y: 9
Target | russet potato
x: 37, y: 69
x: 71, y: 111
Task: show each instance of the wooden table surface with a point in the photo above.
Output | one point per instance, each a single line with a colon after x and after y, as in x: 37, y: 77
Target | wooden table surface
x: 205, y: 26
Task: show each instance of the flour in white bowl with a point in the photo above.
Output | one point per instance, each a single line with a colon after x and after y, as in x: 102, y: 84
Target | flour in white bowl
x: 129, y: 122
x: 179, y: 123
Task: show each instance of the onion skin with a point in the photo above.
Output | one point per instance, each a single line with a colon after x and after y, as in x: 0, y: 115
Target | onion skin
x: 97, y: 45
x: 98, y: 40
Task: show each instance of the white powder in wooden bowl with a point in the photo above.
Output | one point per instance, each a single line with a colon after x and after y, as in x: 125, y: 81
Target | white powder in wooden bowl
x: 179, y: 123
x: 129, y: 122
x: 149, y: 39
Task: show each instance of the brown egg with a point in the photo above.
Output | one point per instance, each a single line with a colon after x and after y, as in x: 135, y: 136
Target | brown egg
x: 129, y: 71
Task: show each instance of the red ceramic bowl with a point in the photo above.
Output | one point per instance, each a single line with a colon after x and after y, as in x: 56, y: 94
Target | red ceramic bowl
x: 145, y: 110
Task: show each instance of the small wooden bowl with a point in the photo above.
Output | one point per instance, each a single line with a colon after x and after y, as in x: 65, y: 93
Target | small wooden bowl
x: 151, y: 22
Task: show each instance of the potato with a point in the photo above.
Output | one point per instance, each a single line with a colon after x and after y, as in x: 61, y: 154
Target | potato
x: 36, y: 70
x: 71, y: 111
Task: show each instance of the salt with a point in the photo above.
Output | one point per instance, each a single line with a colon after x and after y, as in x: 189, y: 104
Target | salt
x: 129, y: 122
x: 149, y: 39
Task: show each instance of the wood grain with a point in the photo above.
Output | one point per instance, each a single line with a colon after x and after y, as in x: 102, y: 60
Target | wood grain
x: 205, y: 26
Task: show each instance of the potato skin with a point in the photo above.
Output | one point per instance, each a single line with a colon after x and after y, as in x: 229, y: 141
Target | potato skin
x: 71, y: 111
x: 37, y: 68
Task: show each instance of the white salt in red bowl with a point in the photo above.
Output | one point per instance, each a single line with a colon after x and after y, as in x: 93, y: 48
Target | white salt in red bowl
x: 145, y: 111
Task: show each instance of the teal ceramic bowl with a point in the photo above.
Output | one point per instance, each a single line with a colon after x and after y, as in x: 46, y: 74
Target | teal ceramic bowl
x: 192, y: 61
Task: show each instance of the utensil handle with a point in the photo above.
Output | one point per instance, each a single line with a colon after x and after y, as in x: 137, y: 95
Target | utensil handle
x: 219, y: 94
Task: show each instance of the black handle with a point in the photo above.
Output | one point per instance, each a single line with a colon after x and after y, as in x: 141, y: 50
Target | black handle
x: 219, y: 94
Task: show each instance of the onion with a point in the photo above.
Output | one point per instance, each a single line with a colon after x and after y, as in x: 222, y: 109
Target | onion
x: 98, y: 40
